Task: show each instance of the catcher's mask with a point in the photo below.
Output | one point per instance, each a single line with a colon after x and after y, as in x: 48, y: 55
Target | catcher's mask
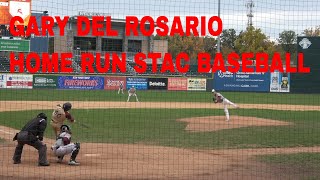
x: 67, y: 106
x: 65, y: 128
x: 42, y: 115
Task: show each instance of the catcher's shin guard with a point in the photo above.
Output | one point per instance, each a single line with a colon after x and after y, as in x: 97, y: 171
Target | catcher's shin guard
x: 75, y: 152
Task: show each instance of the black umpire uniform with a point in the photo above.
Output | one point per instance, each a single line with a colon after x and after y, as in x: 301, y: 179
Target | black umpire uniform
x: 32, y: 134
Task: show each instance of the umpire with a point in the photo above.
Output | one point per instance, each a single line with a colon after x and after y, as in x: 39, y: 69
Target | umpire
x: 32, y: 135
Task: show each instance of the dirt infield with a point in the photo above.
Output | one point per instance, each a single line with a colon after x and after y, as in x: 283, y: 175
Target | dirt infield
x: 139, y: 161
x: 215, y: 123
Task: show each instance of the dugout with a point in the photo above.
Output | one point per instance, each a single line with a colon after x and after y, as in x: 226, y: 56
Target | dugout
x: 308, y: 83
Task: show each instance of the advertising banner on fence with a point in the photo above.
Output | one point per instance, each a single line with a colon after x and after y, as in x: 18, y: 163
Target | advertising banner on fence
x: 285, y: 82
x: 81, y: 82
x: 3, y: 81
x: 274, y: 82
x: 138, y: 83
x: 177, y: 84
x: 19, y: 81
x: 113, y: 83
x: 279, y: 82
x: 45, y: 81
x: 197, y: 84
x: 157, y: 83
x: 15, y: 45
x: 241, y: 81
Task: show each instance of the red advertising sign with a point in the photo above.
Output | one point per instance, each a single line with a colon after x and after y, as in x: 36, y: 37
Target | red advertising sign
x: 177, y: 84
x: 17, y: 81
x: 113, y: 83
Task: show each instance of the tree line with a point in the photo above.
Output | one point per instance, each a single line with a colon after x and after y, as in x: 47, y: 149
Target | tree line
x: 250, y: 40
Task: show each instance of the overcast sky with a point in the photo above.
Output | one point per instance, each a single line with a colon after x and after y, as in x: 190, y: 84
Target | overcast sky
x: 272, y: 16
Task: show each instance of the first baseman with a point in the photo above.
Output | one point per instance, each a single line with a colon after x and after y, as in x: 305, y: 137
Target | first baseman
x: 120, y: 87
x: 218, y: 98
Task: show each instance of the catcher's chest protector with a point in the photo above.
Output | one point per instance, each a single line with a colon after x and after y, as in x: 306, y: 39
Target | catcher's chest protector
x: 61, y: 148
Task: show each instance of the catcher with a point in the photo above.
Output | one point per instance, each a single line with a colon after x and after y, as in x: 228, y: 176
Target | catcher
x: 63, y: 146
x: 59, y: 115
x: 218, y: 98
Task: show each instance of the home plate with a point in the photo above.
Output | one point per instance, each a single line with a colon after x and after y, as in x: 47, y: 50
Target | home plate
x: 91, y: 155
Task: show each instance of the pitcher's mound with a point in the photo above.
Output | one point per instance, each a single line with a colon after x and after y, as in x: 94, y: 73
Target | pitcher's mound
x: 215, y: 123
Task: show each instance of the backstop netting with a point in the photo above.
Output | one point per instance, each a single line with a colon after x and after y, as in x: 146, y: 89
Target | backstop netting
x: 102, y: 121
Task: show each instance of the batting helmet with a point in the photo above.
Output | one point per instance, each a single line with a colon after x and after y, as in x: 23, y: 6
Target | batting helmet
x: 65, y: 128
x: 42, y: 115
x: 67, y: 106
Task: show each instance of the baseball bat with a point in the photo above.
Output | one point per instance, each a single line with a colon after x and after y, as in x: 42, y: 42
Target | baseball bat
x: 81, y: 124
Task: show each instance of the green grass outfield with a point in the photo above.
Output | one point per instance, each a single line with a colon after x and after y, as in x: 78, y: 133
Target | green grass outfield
x: 157, y: 96
x: 159, y: 127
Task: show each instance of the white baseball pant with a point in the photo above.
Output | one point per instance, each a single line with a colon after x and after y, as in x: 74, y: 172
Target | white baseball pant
x: 132, y: 94
x: 120, y: 90
x: 225, y: 103
x: 64, y: 150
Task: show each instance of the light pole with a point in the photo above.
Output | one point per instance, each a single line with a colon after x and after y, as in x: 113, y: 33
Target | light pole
x: 218, y: 45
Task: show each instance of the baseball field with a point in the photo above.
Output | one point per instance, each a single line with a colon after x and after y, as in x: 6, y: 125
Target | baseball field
x: 169, y: 135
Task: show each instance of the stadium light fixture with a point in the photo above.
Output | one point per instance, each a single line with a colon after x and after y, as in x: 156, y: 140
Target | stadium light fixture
x: 43, y: 12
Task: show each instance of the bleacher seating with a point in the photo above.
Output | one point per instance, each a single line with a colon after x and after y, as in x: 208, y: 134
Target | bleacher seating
x: 4, y: 64
x: 193, y: 72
